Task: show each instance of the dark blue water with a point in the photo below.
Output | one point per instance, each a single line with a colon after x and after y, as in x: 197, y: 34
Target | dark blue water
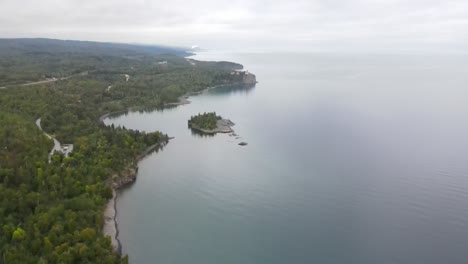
x: 351, y: 159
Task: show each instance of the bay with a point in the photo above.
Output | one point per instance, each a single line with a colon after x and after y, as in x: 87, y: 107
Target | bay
x: 351, y: 158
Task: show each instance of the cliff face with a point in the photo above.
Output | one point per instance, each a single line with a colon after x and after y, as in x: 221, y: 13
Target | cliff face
x: 129, y: 174
x: 249, y: 78
x: 125, y: 177
x: 243, y: 77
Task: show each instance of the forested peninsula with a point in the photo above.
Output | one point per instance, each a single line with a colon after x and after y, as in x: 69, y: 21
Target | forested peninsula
x: 53, y: 212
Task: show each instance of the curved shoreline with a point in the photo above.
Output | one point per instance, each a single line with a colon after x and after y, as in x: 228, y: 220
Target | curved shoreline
x: 110, y: 227
x: 182, y: 100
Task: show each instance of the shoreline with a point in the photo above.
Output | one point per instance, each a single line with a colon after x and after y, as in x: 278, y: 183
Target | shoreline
x: 110, y: 226
x: 181, y: 100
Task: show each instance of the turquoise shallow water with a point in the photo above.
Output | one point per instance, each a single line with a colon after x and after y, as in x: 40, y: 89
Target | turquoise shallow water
x: 351, y: 159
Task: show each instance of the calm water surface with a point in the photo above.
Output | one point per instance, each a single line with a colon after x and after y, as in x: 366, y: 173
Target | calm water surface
x: 351, y: 159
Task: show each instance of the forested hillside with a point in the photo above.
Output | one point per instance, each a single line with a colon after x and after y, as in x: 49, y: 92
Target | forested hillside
x: 52, y: 212
x: 23, y: 60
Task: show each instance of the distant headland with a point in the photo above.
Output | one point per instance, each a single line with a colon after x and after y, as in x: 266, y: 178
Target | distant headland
x: 245, y: 77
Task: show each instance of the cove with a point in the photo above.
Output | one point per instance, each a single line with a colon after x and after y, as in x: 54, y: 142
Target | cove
x: 351, y: 159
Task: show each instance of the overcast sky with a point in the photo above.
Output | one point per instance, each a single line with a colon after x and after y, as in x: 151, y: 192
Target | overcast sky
x: 247, y: 24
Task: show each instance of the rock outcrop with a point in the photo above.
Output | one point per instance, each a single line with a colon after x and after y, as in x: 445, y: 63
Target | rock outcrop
x: 249, y: 78
x: 243, y: 77
x: 125, y: 177
x: 222, y: 126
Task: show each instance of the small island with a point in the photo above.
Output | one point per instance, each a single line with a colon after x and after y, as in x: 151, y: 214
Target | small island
x: 210, y: 123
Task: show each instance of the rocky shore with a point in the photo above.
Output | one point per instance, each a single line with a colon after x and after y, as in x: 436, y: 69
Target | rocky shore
x: 181, y: 101
x: 118, y: 181
x: 222, y: 126
x: 248, y: 79
x: 129, y: 174
x: 110, y: 227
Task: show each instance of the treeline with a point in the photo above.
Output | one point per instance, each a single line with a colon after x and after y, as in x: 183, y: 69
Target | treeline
x: 28, y: 60
x: 53, y: 212
x: 204, y: 121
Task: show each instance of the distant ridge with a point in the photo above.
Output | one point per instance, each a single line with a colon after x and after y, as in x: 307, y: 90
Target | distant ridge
x: 32, y: 60
x: 15, y: 46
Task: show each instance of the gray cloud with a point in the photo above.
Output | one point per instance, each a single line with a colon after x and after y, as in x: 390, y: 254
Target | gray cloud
x: 247, y: 24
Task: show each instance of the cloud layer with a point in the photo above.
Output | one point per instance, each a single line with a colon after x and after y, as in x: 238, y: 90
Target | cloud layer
x: 247, y: 24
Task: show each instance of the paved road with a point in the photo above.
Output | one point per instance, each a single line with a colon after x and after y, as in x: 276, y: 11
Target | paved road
x: 45, y: 81
x: 57, y: 146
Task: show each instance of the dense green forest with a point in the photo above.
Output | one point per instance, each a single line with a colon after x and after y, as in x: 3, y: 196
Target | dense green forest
x: 53, y: 212
x: 204, y: 121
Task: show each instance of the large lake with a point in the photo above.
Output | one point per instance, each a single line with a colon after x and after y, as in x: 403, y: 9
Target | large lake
x: 350, y: 159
